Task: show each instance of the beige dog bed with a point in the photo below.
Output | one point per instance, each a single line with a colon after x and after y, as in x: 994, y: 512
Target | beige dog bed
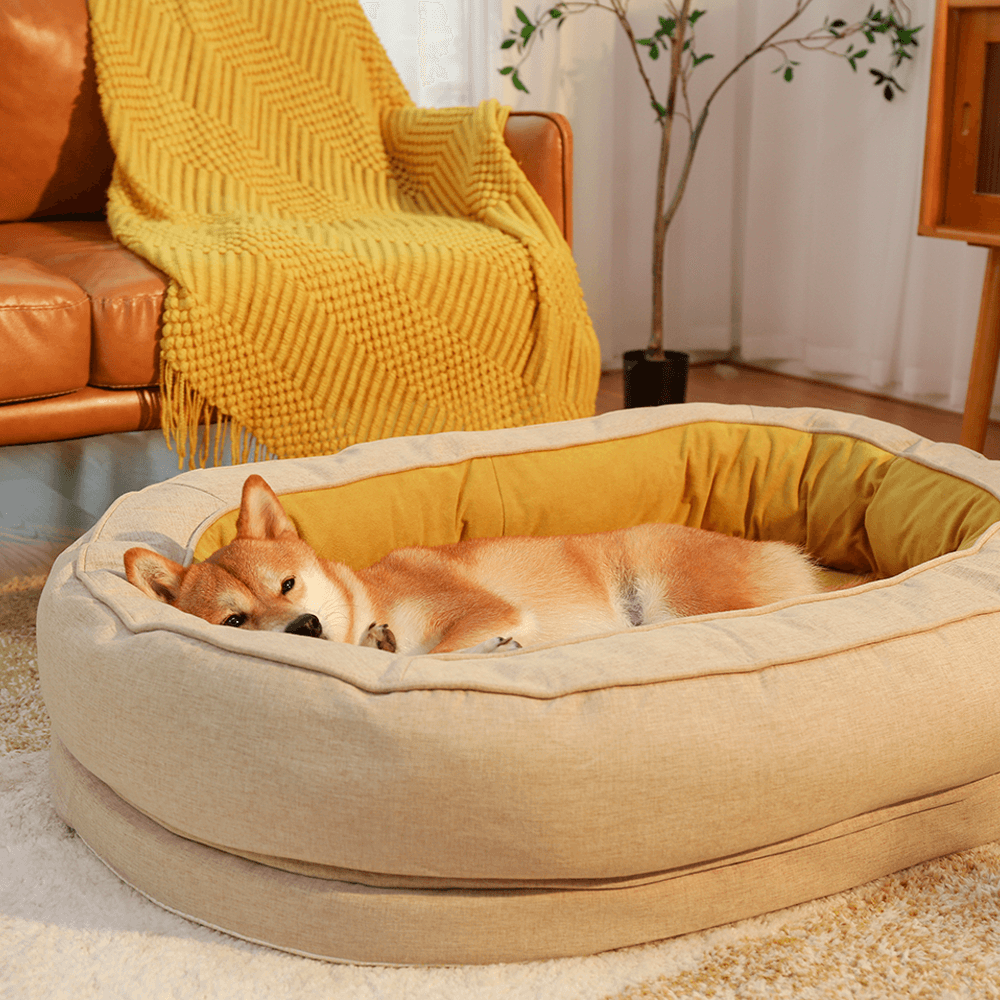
x: 352, y: 804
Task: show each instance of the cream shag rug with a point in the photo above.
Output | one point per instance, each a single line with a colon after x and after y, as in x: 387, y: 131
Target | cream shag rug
x: 70, y: 928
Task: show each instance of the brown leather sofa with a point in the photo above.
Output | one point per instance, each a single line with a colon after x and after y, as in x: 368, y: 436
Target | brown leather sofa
x: 80, y: 314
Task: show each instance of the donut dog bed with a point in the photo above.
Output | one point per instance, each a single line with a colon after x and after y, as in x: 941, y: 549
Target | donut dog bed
x: 348, y: 803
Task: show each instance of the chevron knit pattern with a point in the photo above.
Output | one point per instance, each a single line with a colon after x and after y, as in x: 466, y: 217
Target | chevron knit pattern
x: 342, y: 265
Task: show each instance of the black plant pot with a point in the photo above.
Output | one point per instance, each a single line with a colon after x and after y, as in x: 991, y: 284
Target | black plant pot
x: 657, y: 381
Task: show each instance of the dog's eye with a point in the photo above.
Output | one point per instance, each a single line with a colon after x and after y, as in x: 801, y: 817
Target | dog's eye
x: 235, y: 621
x: 288, y: 584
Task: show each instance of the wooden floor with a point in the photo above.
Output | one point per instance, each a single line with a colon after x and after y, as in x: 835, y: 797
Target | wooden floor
x: 726, y: 383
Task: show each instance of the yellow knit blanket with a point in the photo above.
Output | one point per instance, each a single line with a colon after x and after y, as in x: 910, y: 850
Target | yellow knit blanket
x: 342, y: 265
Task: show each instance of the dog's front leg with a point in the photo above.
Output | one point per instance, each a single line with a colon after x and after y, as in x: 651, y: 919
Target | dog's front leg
x: 496, y: 644
x: 380, y: 637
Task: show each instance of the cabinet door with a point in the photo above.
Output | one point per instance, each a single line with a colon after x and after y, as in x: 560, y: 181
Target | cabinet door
x: 973, y: 190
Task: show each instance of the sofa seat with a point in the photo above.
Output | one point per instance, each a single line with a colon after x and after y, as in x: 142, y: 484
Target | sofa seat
x: 47, y: 317
x: 125, y: 294
x: 80, y: 319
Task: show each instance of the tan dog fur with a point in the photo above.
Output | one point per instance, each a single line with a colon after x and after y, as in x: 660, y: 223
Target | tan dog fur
x: 477, y: 595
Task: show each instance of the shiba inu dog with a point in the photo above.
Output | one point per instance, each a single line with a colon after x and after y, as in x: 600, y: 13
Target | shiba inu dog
x: 477, y: 595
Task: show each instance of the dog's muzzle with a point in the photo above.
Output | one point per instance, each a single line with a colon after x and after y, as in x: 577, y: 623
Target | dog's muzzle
x: 305, y: 625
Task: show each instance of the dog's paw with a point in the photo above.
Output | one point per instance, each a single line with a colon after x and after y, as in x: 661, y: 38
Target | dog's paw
x: 498, y: 643
x: 379, y: 637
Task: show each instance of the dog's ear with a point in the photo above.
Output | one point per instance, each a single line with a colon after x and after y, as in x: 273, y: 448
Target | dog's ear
x: 261, y: 513
x: 155, y: 575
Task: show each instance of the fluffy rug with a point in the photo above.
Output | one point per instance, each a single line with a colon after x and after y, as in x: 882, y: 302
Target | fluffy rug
x: 70, y: 928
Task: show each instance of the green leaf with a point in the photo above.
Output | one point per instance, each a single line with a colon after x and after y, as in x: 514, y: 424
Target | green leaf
x: 508, y: 42
x: 526, y: 32
x: 506, y: 70
x: 654, y: 52
x: 518, y: 85
x: 700, y: 59
x: 661, y: 111
x: 788, y: 74
x: 524, y: 19
x: 555, y: 13
x: 694, y: 15
x: 853, y: 59
x: 667, y: 25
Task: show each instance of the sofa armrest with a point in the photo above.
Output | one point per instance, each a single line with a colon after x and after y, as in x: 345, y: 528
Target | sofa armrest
x: 542, y: 144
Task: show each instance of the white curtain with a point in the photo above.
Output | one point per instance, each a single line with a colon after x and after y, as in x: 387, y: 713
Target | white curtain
x: 446, y: 51
x: 836, y: 283
x: 796, y: 242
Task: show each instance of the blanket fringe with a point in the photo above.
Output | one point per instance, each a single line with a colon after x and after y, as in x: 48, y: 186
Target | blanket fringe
x: 197, y: 428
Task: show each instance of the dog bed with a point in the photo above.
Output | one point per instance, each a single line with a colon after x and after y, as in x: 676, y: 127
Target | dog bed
x: 351, y: 804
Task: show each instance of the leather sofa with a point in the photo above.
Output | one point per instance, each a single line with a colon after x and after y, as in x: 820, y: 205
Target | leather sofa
x: 80, y: 314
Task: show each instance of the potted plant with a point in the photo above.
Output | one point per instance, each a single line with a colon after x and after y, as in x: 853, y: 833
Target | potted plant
x: 653, y: 375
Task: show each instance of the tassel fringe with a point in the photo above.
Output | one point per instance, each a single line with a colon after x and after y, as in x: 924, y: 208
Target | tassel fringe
x: 197, y: 428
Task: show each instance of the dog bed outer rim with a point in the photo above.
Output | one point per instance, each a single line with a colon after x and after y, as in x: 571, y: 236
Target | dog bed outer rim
x: 341, y: 922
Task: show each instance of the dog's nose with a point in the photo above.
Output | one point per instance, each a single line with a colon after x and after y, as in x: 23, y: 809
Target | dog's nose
x: 305, y: 625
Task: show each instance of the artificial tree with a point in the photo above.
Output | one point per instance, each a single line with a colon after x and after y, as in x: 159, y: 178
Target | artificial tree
x: 674, y: 39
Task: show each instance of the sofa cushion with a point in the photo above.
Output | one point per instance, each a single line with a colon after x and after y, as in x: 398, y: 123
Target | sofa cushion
x: 46, y: 324
x: 126, y: 294
x: 57, y: 158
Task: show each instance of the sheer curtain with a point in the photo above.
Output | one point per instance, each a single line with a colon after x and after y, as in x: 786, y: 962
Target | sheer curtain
x: 796, y: 242
x: 836, y: 283
x: 446, y: 51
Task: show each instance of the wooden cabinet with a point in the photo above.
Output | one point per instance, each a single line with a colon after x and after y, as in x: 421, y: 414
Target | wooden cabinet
x: 960, y: 198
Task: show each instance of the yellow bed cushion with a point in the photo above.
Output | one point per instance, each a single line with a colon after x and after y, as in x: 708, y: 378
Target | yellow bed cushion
x: 852, y: 505
x: 353, y: 804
